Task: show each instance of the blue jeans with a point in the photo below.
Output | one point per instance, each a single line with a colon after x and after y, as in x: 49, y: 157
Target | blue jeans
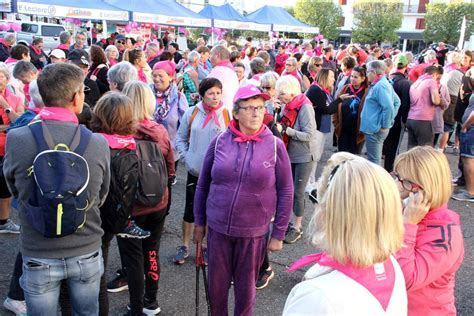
x: 374, y: 144
x: 41, y: 281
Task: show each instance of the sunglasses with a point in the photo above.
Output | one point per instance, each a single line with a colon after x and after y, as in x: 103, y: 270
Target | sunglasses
x: 266, y: 88
x: 406, y: 184
x: 121, y: 42
x: 318, y: 65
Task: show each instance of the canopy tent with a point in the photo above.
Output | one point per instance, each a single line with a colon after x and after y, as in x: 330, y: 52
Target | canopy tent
x: 166, y: 12
x: 280, y: 20
x: 226, y: 17
x: 83, y: 9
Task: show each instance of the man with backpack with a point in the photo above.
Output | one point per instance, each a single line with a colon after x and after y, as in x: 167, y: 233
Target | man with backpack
x: 59, y: 172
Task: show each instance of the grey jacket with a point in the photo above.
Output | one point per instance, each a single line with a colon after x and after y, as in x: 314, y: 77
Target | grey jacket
x: 199, y: 139
x: 302, y: 145
x: 21, y: 150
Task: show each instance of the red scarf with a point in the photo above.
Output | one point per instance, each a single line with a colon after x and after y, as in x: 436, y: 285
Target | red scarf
x: 348, y: 73
x: 377, y: 79
x: 116, y: 141
x: 225, y: 63
x: 112, y: 61
x: 362, y: 87
x: 142, y: 76
x: 211, y: 114
x: 290, y: 113
x: 63, y: 46
x: 241, y: 137
x: 328, y: 93
x: 294, y: 73
x: 378, y: 279
x: 54, y: 113
x: 36, y: 50
x: 4, y: 43
x: 26, y: 91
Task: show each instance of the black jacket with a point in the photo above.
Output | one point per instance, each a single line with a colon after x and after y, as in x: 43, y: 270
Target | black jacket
x: 35, y: 58
x: 4, y: 52
x: 101, y: 75
x: 321, y: 104
x: 152, y: 62
x: 401, y: 85
x: 93, y: 94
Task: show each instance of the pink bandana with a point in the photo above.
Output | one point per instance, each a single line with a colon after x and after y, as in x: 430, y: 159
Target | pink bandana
x: 225, y: 63
x: 10, y: 60
x: 378, y: 279
x: 116, y: 141
x: 63, y: 46
x: 112, y: 61
x: 241, y: 137
x: 54, y: 113
x: 142, y: 76
x: 2, y: 41
x: 26, y: 91
x: 211, y: 114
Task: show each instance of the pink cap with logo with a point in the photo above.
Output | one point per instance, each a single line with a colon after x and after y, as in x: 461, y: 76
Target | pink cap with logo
x: 248, y: 91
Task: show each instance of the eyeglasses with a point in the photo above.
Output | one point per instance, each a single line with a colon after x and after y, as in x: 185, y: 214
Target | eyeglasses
x: 318, y: 65
x: 252, y: 109
x: 266, y: 87
x: 406, y: 184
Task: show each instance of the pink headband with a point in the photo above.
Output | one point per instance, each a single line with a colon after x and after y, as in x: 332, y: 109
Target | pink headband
x: 168, y: 66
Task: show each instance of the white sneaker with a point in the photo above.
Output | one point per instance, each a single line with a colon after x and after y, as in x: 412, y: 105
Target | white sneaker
x: 17, y: 307
x: 9, y: 228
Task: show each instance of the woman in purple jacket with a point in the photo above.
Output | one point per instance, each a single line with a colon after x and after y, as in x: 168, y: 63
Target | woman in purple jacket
x: 245, y: 180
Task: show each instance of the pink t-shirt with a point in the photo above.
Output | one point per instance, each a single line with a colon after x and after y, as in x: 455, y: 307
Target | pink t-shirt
x: 421, y: 107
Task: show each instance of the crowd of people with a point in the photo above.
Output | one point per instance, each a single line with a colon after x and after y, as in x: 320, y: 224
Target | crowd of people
x: 91, y: 138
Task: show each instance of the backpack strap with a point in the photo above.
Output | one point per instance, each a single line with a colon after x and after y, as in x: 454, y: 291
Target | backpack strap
x: 191, y: 120
x: 45, y: 141
x: 226, y: 115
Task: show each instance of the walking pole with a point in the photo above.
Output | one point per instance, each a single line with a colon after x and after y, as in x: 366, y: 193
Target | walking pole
x: 198, y: 267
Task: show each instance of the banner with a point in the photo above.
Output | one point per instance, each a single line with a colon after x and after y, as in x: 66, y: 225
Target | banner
x: 237, y: 25
x: 71, y: 12
x: 5, y: 6
x: 170, y: 20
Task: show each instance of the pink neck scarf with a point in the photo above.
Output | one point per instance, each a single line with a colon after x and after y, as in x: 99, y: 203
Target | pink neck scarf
x: 116, y: 141
x: 211, y: 114
x: 63, y: 46
x: 225, y: 63
x: 53, y: 113
x: 241, y: 137
x: 378, y: 279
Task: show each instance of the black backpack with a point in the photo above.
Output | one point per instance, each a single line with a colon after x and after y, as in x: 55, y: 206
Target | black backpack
x: 58, y: 205
x: 117, y: 208
x: 152, y: 173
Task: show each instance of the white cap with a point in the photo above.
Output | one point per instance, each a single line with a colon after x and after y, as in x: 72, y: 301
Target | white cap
x: 58, y: 53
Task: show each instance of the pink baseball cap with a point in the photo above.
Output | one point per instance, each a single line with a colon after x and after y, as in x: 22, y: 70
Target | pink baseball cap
x: 248, y: 91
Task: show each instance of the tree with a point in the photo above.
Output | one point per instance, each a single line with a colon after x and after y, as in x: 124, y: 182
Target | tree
x: 321, y: 13
x: 377, y: 20
x: 443, y: 21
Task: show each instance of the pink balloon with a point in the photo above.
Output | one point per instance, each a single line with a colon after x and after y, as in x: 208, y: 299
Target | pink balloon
x: 16, y: 27
x: 128, y: 28
x: 134, y: 25
x: 2, y: 27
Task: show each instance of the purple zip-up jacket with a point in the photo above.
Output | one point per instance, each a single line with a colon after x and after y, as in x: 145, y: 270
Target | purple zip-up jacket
x: 242, y: 185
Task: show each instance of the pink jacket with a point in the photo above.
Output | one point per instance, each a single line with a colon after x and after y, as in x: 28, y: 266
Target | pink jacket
x: 433, y: 251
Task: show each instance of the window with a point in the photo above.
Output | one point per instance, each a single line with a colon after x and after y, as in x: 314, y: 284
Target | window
x: 29, y: 28
x: 422, y: 6
x: 420, y: 24
x: 51, y: 30
x: 342, y: 20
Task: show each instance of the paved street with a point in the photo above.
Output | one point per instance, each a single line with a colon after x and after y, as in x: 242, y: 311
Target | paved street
x: 177, y: 287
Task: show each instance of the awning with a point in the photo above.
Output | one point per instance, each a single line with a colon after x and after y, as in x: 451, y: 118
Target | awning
x: 83, y: 9
x: 226, y: 17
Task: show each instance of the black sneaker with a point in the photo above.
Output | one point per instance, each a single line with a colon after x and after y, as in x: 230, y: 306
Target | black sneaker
x: 459, y: 182
x: 148, y: 308
x: 264, y: 278
x: 118, y: 284
x: 134, y: 231
x: 292, y: 235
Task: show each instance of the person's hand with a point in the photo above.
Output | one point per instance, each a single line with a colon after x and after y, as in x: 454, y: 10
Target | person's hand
x: 194, y: 96
x: 276, y: 104
x: 346, y: 96
x: 279, y: 127
x: 275, y: 245
x: 199, y: 232
x: 93, y: 78
x: 416, y: 208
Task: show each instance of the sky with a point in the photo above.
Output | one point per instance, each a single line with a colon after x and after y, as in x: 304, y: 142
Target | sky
x: 249, y: 5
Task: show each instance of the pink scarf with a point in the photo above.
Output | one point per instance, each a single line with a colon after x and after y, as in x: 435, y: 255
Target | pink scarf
x: 4, y: 43
x: 378, y: 279
x: 10, y: 60
x: 26, y: 91
x: 377, y: 79
x: 225, y: 63
x: 36, y: 50
x: 295, y: 74
x: 54, y: 113
x: 211, y: 114
x: 142, y: 76
x: 297, y: 102
x: 323, y: 89
x: 112, y: 61
x: 116, y: 141
x: 63, y: 46
x: 448, y: 68
x: 241, y: 137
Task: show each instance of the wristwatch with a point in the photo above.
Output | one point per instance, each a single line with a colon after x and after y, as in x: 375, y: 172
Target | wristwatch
x: 8, y: 110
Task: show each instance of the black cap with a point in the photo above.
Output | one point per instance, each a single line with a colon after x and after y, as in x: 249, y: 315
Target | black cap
x: 79, y: 57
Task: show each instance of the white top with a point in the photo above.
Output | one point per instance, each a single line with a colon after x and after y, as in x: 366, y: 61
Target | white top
x: 325, y: 291
x: 230, y: 84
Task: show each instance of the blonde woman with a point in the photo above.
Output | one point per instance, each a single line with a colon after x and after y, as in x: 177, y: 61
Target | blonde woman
x: 433, y: 243
x: 358, y: 225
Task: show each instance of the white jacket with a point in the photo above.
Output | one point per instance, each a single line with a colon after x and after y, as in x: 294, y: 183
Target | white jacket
x: 326, y: 291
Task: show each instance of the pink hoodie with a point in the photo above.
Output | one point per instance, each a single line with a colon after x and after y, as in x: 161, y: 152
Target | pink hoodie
x: 433, y: 252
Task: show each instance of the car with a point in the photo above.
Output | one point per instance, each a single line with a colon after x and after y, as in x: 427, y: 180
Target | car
x: 29, y: 30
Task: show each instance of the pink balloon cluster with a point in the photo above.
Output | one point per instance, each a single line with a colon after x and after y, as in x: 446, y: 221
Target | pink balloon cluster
x: 183, y: 30
x: 73, y: 21
x: 275, y: 34
x: 319, y: 38
x: 15, y: 27
x: 131, y: 26
x: 215, y: 30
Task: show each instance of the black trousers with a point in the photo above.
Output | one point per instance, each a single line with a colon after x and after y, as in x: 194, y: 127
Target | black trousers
x: 391, y: 144
x: 191, y: 183
x: 141, y: 257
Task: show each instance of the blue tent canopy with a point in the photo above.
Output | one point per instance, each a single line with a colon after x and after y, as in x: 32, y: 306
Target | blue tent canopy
x: 225, y: 16
x: 162, y: 12
x: 280, y: 20
x: 84, y: 9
